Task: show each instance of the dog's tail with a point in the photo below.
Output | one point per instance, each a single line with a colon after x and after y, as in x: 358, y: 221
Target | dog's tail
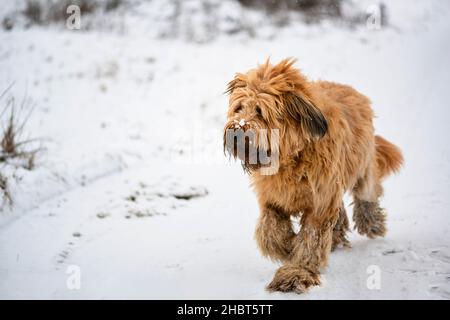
x: 389, y: 157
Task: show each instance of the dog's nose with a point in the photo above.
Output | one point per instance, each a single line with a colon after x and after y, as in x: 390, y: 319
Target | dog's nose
x: 239, y: 124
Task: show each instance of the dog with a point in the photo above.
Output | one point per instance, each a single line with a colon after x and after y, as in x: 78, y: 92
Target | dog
x: 325, y: 147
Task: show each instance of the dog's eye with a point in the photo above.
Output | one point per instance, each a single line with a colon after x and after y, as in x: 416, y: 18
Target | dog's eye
x: 258, y: 110
x: 239, y: 108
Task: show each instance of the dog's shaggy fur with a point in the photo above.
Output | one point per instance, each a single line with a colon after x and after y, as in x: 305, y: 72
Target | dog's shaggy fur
x: 326, y: 147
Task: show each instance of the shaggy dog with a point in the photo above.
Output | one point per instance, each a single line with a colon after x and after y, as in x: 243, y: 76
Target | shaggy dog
x: 325, y: 147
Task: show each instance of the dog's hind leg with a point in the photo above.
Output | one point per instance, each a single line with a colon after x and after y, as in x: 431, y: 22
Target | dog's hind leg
x: 368, y: 216
x: 340, y: 229
x: 274, y: 232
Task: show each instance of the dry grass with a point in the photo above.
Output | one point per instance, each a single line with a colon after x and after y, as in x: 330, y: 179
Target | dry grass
x: 13, y: 145
x: 4, y: 190
x: 112, y: 4
x: 312, y: 8
x: 15, y: 149
x: 33, y: 11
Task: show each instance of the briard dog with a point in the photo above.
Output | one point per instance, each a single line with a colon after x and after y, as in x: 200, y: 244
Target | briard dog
x: 304, y: 144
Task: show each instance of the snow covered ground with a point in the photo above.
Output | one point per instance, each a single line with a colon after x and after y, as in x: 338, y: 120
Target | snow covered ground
x: 133, y: 191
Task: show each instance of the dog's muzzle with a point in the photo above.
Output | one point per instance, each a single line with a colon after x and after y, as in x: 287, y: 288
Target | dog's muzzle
x: 240, y: 141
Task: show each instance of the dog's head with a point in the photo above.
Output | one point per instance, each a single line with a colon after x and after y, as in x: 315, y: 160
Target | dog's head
x: 271, y: 113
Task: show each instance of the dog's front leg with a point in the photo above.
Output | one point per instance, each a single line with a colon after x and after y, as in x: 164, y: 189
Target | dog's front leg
x: 340, y: 229
x: 274, y: 232
x: 310, y: 253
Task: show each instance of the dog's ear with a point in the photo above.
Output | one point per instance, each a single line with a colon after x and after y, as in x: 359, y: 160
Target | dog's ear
x: 231, y: 86
x: 237, y: 82
x: 305, y: 112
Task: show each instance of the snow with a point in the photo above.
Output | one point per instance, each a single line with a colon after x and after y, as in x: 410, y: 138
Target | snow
x: 134, y: 189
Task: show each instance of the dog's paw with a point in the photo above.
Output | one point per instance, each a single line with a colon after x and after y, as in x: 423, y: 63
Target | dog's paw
x: 340, y: 240
x: 293, y: 279
x: 370, y: 219
x: 340, y: 230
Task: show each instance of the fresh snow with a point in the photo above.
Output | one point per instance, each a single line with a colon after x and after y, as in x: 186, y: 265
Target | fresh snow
x: 133, y: 188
